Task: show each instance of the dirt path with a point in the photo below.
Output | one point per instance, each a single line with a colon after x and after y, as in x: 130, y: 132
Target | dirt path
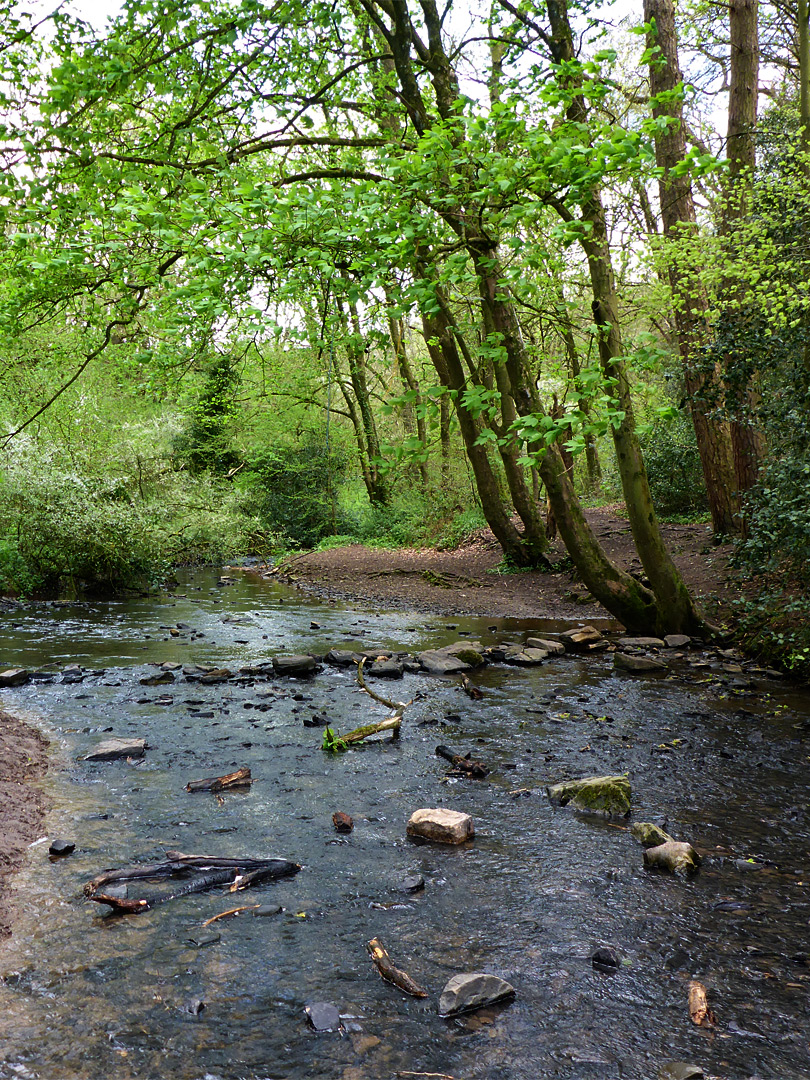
x: 467, y: 581
x: 23, y: 760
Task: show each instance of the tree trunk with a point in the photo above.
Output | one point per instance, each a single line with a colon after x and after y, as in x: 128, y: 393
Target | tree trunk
x: 702, y: 383
x: 412, y: 413
x: 747, y: 438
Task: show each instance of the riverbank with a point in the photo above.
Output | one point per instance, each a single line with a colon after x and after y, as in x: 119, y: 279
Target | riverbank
x: 470, y: 579
x: 23, y: 761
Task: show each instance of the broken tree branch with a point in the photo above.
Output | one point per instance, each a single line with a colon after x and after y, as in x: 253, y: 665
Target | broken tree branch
x: 240, y: 778
x: 398, y: 706
x: 382, y: 961
x: 463, y: 764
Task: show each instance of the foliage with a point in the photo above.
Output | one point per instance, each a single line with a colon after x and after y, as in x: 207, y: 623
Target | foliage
x: 291, y: 489
x: 673, y: 465
x: 205, y: 444
x: 333, y: 742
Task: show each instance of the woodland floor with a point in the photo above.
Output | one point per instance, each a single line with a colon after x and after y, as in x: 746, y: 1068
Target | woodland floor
x: 467, y: 580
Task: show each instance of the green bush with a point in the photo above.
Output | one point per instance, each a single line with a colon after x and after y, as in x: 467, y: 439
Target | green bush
x: 290, y: 489
x: 673, y: 467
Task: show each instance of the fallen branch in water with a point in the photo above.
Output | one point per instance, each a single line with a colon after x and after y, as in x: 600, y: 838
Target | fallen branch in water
x: 334, y: 742
x: 699, y: 1011
x: 463, y: 764
x: 229, y: 912
x: 383, y: 963
x: 398, y: 706
x: 210, y: 871
x: 470, y: 689
x: 240, y: 778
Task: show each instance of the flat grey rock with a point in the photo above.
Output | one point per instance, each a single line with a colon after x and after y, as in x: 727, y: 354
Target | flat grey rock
x: 677, y: 641
x: 13, y: 677
x: 472, y: 991
x: 323, y: 1016
x: 525, y: 657
x: 436, y: 663
x: 553, y: 648
x: 386, y: 669
x: 294, y: 665
x: 267, y: 909
x: 638, y: 665
x: 112, y: 749
x: 642, y: 642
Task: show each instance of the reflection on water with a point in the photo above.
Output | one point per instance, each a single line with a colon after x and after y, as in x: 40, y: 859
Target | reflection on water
x: 724, y: 766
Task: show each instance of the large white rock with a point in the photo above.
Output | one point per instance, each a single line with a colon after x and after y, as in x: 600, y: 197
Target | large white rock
x: 472, y: 991
x: 443, y: 826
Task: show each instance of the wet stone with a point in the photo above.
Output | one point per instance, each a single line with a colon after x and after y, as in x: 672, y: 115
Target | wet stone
x: 442, y: 826
x: 553, y: 648
x: 158, y: 680
x: 294, y: 665
x: 323, y: 1016
x: 648, y: 834
x: 583, y: 639
x: 218, y: 675
x: 609, y: 795
x: 203, y: 939
x: 194, y: 1007
x: 265, y: 910
x: 637, y: 664
x: 343, y: 823
x: 471, y: 991
x: 112, y: 749
x: 386, y: 669
x: 436, y: 663
x: 412, y: 883
x: 677, y: 641
x: 341, y: 658
x: 642, y: 642
x: 673, y: 857
x: 680, y: 1070
x: 13, y: 677
x: 61, y: 847
x: 606, y: 959
x: 525, y: 657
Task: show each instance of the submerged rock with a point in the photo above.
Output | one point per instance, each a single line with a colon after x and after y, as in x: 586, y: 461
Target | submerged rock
x: 412, y: 883
x: 608, y: 795
x: 323, y: 1016
x: 649, y: 835
x: 111, y: 749
x: 472, y: 991
x: 673, y: 857
x: 442, y: 826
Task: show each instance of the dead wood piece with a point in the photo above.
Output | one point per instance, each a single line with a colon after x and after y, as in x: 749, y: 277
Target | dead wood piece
x: 392, y: 724
x: 121, y: 904
x: 343, y: 822
x: 229, y: 912
x: 240, y: 778
x: 470, y: 689
x: 398, y: 706
x: 463, y: 764
x: 382, y: 961
x: 211, y: 870
x: 699, y: 1011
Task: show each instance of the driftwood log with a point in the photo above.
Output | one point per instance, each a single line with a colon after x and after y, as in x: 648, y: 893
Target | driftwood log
x: 462, y: 764
x: 383, y: 963
x: 700, y: 1012
x: 240, y: 778
x: 205, y: 872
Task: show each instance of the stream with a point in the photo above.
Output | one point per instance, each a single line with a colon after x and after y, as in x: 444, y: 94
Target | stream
x: 719, y: 758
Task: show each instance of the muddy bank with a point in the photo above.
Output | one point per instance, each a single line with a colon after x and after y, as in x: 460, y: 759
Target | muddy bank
x: 470, y: 579
x: 23, y: 760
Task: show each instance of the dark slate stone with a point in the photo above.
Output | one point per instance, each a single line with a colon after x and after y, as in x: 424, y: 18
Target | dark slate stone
x: 13, y: 677
x: 323, y: 1016
x: 267, y: 909
x: 471, y: 991
x: 341, y: 658
x: 606, y: 959
x: 61, y: 847
x: 386, y: 669
x: 412, y: 883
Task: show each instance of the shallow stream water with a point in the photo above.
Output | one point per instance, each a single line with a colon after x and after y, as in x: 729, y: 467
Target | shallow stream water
x: 720, y: 759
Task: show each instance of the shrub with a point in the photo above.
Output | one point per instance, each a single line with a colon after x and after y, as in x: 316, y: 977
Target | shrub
x: 673, y: 466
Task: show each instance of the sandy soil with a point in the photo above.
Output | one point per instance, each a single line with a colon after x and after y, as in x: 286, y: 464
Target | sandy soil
x: 23, y: 760
x: 466, y: 581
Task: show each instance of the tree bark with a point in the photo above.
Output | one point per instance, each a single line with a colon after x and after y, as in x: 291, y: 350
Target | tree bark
x: 702, y: 382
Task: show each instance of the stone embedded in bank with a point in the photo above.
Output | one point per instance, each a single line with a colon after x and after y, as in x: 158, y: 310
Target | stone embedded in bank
x: 442, y: 826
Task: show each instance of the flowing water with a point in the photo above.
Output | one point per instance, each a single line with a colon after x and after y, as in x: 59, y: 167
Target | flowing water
x: 720, y: 759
